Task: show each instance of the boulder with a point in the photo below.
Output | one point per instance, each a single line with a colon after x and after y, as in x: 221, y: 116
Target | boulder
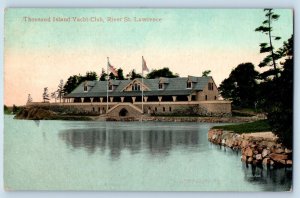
x: 278, y: 157
x: 278, y: 150
x: 223, y: 141
x: 244, y: 143
x: 258, y: 157
x: 265, y: 152
x: 250, y: 159
x: 268, y: 144
x: 289, y: 162
x: 244, y: 158
x: 248, y: 152
x: 266, y: 161
x: 215, y: 136
x: 260, y: 149
x: 287, y: 151
x: 282, y: 162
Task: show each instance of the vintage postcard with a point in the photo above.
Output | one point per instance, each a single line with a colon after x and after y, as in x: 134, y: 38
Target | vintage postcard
x: 148, y: 99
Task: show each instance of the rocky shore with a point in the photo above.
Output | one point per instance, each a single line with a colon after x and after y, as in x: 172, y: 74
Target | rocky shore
x: 256, y: 148
x: 36, y: 113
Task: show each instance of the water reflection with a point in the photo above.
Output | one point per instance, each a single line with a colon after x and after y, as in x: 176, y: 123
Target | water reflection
x: 272, y: 179
x: 157, y: 142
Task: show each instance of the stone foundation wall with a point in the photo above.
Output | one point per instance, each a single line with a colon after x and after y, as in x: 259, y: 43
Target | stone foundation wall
x: 255, y: 148
x: 205, y: 108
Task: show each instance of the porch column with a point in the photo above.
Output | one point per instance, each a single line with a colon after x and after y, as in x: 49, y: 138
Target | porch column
x: 92, y: 99
x: 189, y: 98
x: 101, y: 99
x: 122, y: 99
x: 133, y: 99
x: 174, y: 98
x: 111, y: 99
x: 82, y: 99
x: 159, y: 98
x: 145, y: 98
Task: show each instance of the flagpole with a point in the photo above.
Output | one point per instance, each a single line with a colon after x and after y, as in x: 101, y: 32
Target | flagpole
x: 142, y: 86
x: 107, y: 85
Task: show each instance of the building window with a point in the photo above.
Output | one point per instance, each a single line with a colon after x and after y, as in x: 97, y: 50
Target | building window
x: 211, y: 86
x: 170, y: 109
x: 193, y: 98
x: 99, y: 109
x: 110, y: 87
x: 85, y: 88
x: 136, y: 87
x: 155, y: 109
x: 164, y: 109
x: 189, y: 85
x: 215, y: 97
x: 205, y: 97
x: 160, y: 86
x: 93, y: 108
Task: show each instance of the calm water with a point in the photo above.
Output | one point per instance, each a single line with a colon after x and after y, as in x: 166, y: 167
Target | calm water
x: 160, y: 156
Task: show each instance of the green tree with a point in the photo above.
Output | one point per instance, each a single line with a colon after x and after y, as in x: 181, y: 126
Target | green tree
x: 164, y: 72
x: 133, y: 75
x: 60, y: 90
x: 75, y: 80
x: 112, y: 76
x: 276, y: 96
x: 269, y: 60
x: 206, y: 73
x: 46, y: 95
x: 103, y: 75
x: 241, y: 86
x: 72, y: 83
x: 29, y: 98
x: 120, y: 74
x: 90, y: 76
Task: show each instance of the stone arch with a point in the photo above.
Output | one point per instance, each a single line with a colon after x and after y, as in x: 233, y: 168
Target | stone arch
x: 123, y: 112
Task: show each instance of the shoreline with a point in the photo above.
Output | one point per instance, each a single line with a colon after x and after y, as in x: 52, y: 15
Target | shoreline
x: 38, y: 113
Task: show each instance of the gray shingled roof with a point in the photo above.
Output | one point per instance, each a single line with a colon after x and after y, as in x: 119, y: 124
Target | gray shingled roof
x: 175, y: 86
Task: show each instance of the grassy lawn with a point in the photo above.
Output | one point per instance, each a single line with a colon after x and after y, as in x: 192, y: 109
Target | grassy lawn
x: 257, y: 126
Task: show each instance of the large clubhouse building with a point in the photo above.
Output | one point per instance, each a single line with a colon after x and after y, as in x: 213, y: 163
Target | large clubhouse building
x: 161, y: 96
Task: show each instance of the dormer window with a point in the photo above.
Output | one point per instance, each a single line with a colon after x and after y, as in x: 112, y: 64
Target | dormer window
x: 136, y: 87
x: 85, y: 86
x: 189, y: 85
x: 160, y: 86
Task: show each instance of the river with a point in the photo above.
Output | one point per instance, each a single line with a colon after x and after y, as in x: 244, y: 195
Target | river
x: 126, y: 156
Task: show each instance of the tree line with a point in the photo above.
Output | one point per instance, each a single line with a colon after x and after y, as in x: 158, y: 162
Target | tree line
x: 271, y: 91
x: 75, y: 80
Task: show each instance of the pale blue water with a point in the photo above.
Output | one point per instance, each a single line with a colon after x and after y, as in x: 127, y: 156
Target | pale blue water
x: 126, y: 156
